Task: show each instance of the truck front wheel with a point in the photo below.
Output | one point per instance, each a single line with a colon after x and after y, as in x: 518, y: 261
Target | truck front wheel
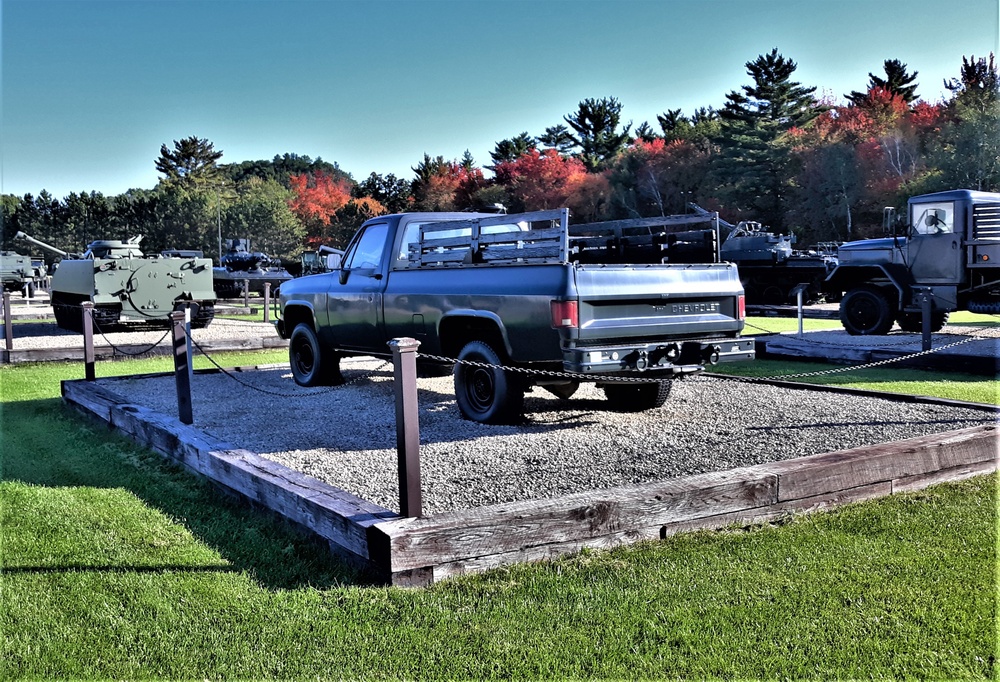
x: 487, y: 394
x: 638, y: 397
x: 866, y: 311
x: 312, y: 365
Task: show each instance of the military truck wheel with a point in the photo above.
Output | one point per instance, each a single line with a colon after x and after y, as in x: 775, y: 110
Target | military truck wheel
x: 488, y: 395
x: 914, y: 322
x: 638, y: 397
x: 866, y: 311
x: 312, y: 365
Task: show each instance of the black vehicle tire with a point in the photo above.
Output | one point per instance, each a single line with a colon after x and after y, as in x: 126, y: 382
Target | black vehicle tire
x: 866, y: 311
x: 488, y: 395
x: 914, y: 322
x: 638, y: 397
x: 312, y: 365
x: 984, y: 307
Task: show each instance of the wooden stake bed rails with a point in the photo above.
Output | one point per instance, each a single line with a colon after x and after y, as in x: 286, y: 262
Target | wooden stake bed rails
x: 548, y: 238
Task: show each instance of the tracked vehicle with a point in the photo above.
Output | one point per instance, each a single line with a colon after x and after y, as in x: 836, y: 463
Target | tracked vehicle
x: 128, y: 289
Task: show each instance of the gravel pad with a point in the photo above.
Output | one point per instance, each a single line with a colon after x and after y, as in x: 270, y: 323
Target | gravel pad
x: 346, y: 435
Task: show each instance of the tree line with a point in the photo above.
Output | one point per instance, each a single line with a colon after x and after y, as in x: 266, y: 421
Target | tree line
x: 774, y: 153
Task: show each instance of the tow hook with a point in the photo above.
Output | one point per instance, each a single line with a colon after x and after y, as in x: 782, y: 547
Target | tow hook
x: 711, y: 354
x: 642, y: 361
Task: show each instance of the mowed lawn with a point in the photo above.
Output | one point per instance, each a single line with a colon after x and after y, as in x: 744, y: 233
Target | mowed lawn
x: 116, y: 564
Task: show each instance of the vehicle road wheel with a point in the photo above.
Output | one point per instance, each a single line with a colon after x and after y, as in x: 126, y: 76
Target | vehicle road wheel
x: 312, y: 365
x: 637, y: 397
x: 489, y: 395
x: 866, y: 311
x: 914, y: 322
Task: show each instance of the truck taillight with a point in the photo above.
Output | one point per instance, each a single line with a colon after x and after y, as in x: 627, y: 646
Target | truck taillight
x: 741, y: 307
x: 565, y: 314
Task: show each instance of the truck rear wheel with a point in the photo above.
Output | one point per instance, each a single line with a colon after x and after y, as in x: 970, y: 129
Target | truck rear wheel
x: 914, y: 322
x: 638, y: 397
x: 866, y: 311
x: 489, y: 395
x: 312, y: 365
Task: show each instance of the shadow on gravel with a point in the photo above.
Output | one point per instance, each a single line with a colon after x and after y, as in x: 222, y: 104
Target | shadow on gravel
x: 272, y: 551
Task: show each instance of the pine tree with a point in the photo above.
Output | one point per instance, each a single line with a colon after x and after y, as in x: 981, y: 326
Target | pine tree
x: 897, y: 81
x: 596, y: 124
x: 192, y: 162
x: 753, y: 165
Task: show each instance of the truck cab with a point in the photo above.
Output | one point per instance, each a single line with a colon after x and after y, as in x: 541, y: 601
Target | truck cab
x: 948, y: 244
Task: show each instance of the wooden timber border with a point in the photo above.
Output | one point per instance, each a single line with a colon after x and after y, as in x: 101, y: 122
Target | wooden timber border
x: 419, y: 551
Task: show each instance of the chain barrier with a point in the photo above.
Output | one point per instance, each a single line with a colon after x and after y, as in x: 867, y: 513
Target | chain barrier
x: 833, y: 343
x: 280, y: 394
x: 797, y: 375
x: 119, y: 350
x: 543, y: 372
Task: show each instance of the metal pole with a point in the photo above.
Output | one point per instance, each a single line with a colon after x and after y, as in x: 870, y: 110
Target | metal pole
x: 798, y: 298
x: 246, y: 293
x: 926, y: 302
x: 404, y: 361
x: 8, y: 324
x: 267, y: 301
x: 218, y: 205
x: 88, y: 340
x: 182, y: 367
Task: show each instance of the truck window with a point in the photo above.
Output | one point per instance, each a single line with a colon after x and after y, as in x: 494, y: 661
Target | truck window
x: 934, y: 218
x: 412, y: 231
x: 367, y: 250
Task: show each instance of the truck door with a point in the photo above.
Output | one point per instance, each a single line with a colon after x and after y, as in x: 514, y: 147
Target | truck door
x: 934, y: 249
x: 355, y: 300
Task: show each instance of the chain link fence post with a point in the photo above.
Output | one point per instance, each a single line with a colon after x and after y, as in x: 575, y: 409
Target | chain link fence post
x: 182, y: 366
x: 88, y: 340
x: 404, y: 363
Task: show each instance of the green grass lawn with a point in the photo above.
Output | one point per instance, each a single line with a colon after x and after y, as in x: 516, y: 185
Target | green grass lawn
x: 117, y: 564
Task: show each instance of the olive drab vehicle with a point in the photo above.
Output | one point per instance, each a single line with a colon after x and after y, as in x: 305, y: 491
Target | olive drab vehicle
x: 20, y: 273
x: 128, y: 289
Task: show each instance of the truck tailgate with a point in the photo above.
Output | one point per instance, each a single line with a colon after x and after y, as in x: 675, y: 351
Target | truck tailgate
x: 649, y: 301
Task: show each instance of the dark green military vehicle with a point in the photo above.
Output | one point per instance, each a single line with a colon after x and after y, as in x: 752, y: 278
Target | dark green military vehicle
x: 128, y: 289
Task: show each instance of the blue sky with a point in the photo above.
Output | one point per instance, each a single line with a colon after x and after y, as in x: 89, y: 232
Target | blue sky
x: 90, y: 90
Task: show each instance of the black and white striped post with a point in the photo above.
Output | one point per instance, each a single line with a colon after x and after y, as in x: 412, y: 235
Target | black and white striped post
x: 404, y: 363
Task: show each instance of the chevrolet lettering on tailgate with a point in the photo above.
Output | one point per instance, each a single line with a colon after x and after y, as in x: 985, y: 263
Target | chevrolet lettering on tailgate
x: 692, y: 308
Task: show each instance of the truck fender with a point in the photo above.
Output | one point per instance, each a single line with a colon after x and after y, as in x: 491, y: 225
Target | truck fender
x: 295, y: 313
x: 458, y: 326
x: 846, y: 277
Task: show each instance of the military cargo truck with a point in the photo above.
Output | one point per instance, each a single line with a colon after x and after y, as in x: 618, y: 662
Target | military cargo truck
x: 947, y: 244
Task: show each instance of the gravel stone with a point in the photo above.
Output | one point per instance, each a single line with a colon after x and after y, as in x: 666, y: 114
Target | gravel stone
x: 345, y: 435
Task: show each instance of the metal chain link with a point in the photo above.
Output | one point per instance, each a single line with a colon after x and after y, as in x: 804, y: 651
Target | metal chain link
x: 117, y: 349
x: 280, y: 394
x: 544, y: 372
x: 834, y: 343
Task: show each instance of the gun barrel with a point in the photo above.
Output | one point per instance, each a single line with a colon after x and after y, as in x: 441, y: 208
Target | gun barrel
x: 36, y: 242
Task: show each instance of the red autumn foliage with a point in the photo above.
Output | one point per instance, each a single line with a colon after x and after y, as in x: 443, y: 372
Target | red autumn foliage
x: 540, y: 179
x: 318, y: 197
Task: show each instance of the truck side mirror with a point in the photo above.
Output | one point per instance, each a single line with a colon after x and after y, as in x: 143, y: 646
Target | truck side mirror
x: 343, y: 274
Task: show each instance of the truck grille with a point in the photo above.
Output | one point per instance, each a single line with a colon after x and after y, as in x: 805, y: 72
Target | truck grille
x: 986, y: 221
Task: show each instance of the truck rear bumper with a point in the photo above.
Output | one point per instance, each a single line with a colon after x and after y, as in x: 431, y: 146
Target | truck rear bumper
x: 656, y: 358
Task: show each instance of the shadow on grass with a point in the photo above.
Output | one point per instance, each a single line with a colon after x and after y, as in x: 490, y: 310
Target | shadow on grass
x: 47, y: 444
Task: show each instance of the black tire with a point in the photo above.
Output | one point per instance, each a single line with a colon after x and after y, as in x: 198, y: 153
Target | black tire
x: 984, y: 307
x: 638, y: 397
x: 914, y: 322
x: 488, y: 395
x: 867, y: 311
x: 312, y: 365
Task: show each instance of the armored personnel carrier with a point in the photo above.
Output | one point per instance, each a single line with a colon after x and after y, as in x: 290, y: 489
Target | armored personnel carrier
x: 128, y: 289
x: 20, y: 273
x: 241, y: 267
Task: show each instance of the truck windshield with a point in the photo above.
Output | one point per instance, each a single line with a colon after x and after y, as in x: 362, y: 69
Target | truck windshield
x: 934, y: 218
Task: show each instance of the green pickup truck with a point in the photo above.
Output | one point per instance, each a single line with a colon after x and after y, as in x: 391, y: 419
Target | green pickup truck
x: 513, y: 301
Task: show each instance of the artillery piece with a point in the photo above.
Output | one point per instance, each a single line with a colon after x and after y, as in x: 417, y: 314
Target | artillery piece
x: 128, y: 289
